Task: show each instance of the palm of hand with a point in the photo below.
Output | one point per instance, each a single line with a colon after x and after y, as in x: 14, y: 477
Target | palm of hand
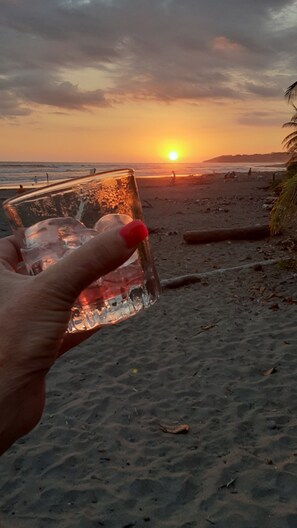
x: 34, y: 317
x: 34, y: 314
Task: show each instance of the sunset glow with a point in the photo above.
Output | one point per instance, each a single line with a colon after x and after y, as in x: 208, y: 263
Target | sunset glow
x: 173, y: 155
x: 94, y: 98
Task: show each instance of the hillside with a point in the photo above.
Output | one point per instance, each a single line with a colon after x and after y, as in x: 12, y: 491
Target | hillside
x: 273, y: 157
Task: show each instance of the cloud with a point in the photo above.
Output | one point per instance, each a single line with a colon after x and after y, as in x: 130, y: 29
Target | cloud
x: 11, y: 106
x: 62, y: 95
x: 262, y: 119
x: 264, y: 88
x: 164, y: 50
x: 224, y: 44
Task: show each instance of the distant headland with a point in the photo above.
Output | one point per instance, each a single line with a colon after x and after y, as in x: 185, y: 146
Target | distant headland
x: 273, y: 157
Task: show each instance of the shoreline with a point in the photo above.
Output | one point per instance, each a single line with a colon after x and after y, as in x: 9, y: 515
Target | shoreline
x: 157, y: 180
x: 155, y: 171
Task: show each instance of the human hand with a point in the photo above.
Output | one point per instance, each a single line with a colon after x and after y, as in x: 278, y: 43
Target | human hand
x: 34, y: 314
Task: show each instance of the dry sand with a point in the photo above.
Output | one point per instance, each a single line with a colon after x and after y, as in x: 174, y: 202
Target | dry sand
x: 99, y: 457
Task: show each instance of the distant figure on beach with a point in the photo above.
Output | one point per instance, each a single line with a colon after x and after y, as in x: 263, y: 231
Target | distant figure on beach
x: 249, y: 171
x: 93, y: 171
x: 47, y: 177
x: 173, y: 178
x: 35, y: 179
x: 230, y: 176
x: 20, y: 189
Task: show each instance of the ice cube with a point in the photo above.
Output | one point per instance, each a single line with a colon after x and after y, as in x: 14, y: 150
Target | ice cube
x: 56, y: 232
x: 49, y: 240
x: 75, y: 240
x: 111, y: 221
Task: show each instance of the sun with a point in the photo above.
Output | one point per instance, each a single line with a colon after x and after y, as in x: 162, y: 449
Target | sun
x: 173, y: 155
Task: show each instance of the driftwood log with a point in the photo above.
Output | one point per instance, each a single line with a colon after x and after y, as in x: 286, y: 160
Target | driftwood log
x: 186, y: 280
x: 218, y: 235
x: 179, y: 282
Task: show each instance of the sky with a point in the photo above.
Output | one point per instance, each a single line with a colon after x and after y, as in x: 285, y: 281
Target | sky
x: 132, y: 80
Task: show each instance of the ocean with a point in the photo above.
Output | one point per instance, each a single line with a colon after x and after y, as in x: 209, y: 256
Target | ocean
x: 30, y: 173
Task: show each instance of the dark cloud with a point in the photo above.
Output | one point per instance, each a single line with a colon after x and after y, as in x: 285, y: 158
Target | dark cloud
x: 264, y: 89
x: 167, y: 50
x: 262, y: 119
x: 11, y: 106
x: 51, y: 93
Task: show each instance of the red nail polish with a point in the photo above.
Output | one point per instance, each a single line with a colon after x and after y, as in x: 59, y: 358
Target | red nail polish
x: 133, y: 233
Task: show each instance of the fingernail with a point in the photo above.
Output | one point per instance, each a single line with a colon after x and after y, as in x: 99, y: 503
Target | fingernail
x: 133, y: 233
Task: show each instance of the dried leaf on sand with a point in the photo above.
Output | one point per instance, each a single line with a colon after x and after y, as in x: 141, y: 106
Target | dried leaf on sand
x: 268, y: 372
x: 228, y: 484
x: 289, y: 300
x: 174, y: 429
x: 207, y: 327
x: 274, y: 307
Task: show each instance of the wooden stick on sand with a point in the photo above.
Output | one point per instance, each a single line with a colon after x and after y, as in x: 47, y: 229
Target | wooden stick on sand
x: 218, y: 235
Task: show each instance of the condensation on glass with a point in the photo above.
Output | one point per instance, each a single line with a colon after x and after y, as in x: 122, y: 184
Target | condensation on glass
x: 52, y: 221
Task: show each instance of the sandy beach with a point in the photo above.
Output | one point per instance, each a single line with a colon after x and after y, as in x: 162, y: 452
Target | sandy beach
x: 219, y: 356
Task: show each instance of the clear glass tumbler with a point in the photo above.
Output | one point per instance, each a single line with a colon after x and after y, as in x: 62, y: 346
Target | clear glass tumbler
x: 51, y: 221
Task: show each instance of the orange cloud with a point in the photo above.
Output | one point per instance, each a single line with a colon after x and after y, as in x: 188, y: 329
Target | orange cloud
x: 224, y: 44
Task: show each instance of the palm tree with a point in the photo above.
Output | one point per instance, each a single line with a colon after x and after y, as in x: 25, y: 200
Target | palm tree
x: 285, y: 208
x: 290, y: 141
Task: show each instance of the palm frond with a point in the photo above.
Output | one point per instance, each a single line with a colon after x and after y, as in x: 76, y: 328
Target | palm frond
x: 292, y: 159
x: 291, y: 92
x: 291, y: 135
x: 291, y: 145
x: 292, y: 123
x: 285, y: 208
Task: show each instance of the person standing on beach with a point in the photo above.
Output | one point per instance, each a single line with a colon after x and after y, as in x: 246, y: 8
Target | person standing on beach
x: 173, y: 178
x: 34, y: 315
x: 47, y: 177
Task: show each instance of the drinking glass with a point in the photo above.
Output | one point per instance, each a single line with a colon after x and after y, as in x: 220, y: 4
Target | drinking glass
x: 50, y: 222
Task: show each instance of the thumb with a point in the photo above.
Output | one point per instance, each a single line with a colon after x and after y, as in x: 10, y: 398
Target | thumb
x: 69, y: 276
